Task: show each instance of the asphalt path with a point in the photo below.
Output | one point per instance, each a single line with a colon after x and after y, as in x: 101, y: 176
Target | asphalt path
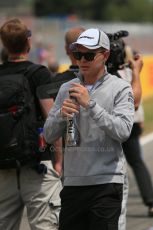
x: 137, y: 218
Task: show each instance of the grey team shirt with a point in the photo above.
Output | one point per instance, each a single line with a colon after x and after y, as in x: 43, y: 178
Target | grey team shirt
x: 99, y: 157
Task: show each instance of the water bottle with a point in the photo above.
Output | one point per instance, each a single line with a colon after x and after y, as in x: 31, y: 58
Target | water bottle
x: 72, y: 136
x: 41, y: 140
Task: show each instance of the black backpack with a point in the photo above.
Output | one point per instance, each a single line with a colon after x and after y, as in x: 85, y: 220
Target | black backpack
x: 18, y: 119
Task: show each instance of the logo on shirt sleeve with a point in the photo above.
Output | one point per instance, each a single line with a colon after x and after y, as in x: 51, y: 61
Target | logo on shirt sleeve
x: 130, y: 98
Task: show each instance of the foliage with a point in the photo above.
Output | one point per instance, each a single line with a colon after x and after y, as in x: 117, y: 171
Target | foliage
x: 106, y: 10
x: 138, y: 10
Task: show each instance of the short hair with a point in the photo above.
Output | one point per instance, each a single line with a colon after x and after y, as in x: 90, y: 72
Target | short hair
x: 72, y: 34
x: 14, y: 34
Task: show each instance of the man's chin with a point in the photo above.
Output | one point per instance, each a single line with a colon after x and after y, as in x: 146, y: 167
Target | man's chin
x: 84, y: 71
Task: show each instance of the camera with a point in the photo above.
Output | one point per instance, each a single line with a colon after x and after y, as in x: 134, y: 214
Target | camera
x: 117, y: 51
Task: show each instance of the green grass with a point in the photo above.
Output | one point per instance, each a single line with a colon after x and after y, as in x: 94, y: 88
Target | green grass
x: 148, y: 112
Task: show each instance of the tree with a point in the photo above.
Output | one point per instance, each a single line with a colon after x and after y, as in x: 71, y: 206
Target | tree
x: 104, y: 10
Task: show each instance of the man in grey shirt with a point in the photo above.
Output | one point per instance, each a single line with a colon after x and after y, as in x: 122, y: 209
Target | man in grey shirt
x: 102, y: 112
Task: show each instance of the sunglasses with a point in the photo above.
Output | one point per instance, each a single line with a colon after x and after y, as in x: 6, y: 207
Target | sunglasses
x: 89, y: 56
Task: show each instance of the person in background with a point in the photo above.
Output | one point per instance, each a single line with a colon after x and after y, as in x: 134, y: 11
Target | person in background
x: 54, y: 68
x: 38, y: 190
x: 70, y: 36
x: 131, y: 75
x: 59, y: 78
x: 103, y: 112
x: 118, y: 65
x: 132, y: 148
x: 51, y: 60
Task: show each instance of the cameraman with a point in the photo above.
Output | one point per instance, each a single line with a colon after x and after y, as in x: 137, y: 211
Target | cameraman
x: 132, y: 149
x: 131, y: 74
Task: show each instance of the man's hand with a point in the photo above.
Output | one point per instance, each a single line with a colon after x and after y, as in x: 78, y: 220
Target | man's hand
x: 136, y: 66
x: 69, y: 107
x: 58, y: 168
x: 137, y: 63
x: 81, y: 94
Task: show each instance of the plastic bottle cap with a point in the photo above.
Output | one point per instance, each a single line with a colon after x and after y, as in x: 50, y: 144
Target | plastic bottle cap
x: 40, y: 130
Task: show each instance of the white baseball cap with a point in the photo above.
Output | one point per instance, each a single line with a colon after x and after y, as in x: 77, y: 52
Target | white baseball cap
x: 92, y: 39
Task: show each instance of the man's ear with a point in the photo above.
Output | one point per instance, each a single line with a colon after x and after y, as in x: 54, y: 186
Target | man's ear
x: 106, y: 55
x: 67, y: 49
x: 28, y: 44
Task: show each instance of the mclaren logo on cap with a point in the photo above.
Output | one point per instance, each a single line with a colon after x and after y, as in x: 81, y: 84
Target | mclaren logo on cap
x: 86, y: 37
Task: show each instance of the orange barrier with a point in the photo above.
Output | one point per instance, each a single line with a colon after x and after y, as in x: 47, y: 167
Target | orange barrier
x: 63, y: 67
x: 147, y: 77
